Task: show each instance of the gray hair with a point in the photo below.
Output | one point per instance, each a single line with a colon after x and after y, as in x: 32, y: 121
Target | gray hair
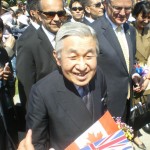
x: 73, y: 29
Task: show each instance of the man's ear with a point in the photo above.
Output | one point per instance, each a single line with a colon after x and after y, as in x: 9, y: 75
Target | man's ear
x: 87, y: 9
x: 56, y: 58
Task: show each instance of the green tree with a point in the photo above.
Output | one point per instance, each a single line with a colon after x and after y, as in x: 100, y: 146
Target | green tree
x: 11, y: 2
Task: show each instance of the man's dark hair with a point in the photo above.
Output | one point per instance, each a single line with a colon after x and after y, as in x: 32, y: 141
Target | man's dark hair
x: 85, y: 3
x: 32, y: 5
x: 1, y: 25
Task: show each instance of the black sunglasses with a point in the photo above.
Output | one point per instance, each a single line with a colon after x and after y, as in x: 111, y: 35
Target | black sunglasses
x: 52, y: 14
x: 97, y: 5
x: 77, y: 8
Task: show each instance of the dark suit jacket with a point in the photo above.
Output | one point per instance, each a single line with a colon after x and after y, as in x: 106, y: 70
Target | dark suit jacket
x: 85, y: 21
x: 113, y: 64
x: 56, y: 112
x: 34, y: 59
x: 19, y: 47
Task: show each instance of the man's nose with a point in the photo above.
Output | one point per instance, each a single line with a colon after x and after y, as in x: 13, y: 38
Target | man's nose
x: 122, y: 12
x: 81, y: 64
x: 56, y: 18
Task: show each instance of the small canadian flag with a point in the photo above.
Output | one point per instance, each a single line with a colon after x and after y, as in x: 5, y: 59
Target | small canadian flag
x: 102, y: 128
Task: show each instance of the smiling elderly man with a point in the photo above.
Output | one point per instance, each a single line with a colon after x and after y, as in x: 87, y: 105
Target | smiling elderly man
x: 68, y: 101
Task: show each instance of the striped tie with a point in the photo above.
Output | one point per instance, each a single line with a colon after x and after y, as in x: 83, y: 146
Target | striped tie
x: 125, y: 49
x: 86, y: 97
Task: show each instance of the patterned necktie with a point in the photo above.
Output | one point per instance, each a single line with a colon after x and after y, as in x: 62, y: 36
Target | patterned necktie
x: 86, y: 97
x: 124, y: 46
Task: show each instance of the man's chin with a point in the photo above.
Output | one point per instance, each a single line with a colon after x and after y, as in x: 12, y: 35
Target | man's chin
x: 81, y: 83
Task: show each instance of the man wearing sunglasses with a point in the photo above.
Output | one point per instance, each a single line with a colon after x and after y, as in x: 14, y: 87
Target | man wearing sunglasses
x: 93, y: 10
x: 35, y: 58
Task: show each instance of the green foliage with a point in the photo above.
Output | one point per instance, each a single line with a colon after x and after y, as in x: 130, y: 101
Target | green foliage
x: 13, y: 2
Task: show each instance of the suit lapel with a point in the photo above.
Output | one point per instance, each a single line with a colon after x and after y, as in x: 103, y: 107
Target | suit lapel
x: 112, y: 39
x: 95, y: 99
x: 71, y: 102
x: 45, y: 43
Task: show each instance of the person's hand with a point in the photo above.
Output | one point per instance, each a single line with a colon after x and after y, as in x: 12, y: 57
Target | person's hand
x: 26, y: 143
x: 1, y: 73
x: 6, y: 72
x: 137, y: 80
x: 140, y: 84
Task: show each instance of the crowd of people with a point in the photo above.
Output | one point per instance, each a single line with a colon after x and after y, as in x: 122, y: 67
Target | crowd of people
x: 72, y: 62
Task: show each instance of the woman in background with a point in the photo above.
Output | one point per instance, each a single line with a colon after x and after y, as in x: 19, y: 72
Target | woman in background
x: 76, y: 10
x: 141, y: 13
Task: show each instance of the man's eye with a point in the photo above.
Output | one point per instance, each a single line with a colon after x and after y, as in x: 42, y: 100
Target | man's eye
x: 73, y: 57
x: 89, y: 57
x: 117, y: 8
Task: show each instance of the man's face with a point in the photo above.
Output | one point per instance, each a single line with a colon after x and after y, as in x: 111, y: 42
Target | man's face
x: 96, y: 9
x: 78, y: 59
x: 77, y: 11
x: 52, y: 22
x: 119, y: 10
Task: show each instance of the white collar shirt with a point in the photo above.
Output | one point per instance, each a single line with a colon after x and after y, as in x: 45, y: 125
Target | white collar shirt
x: 50, y: 36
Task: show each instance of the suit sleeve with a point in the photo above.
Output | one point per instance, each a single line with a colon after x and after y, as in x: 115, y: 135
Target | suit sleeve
x: 25, y: 65
x: 133, y: 39
x: 37, y: 119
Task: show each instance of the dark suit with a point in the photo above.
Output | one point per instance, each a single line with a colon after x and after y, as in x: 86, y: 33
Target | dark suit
x: 57, y: 114
x: 85, y: 21
x: 112, y: 62
x: 20, y: 47
x: 34, y: 59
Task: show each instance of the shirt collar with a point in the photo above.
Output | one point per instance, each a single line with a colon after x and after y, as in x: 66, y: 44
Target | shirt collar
x: 114, y: 26
x: 50, y: 35
x: 89, y: 19
x: 35, y: 25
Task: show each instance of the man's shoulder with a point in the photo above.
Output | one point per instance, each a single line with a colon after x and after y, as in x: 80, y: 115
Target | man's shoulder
x: 100, y: 23
x: 85, y: 21
x: 28, y: 33
x: 50, y: 80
